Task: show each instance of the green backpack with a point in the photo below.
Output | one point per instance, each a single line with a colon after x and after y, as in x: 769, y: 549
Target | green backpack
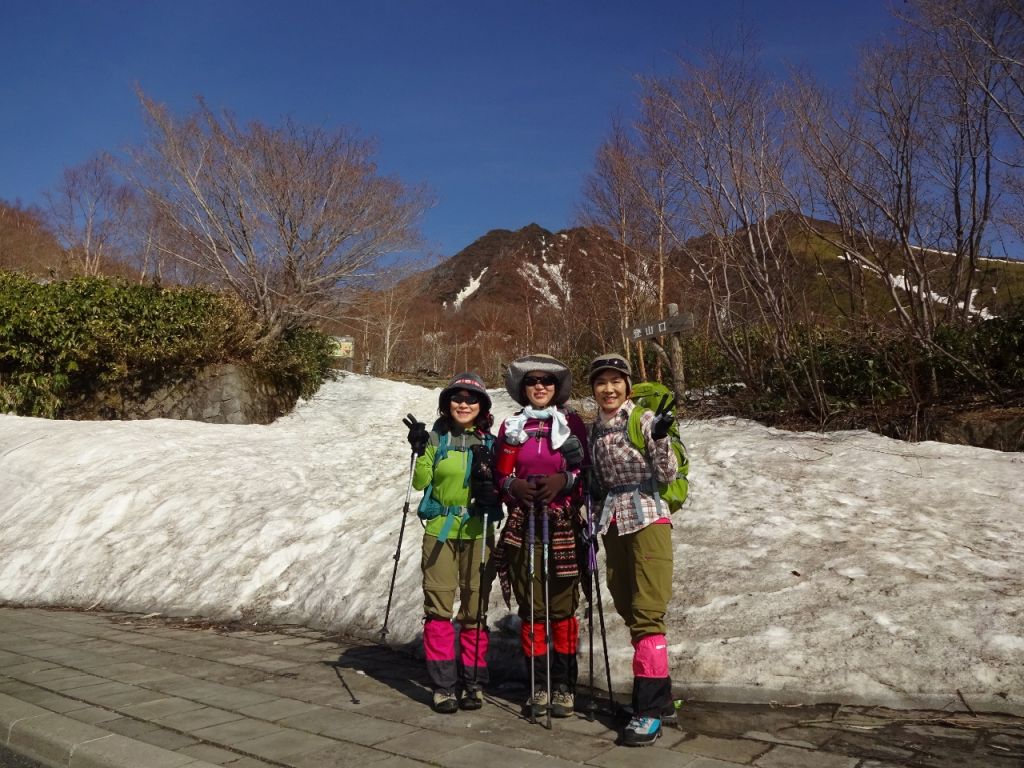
x: 648, y: 395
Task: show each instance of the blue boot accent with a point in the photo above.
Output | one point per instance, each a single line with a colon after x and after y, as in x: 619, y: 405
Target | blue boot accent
x: 641, y: 731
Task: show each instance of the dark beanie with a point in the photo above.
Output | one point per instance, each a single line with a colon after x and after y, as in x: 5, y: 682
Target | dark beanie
x: 470, y: 382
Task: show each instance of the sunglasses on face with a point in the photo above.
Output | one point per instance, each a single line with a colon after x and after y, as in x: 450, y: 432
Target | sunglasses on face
x: 466, y: 399
x: 533, y: 381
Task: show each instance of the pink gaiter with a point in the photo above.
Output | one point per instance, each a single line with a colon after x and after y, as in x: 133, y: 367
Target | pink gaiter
x: 468, y: 640
x: 439, y: 640
x: 650, y: 656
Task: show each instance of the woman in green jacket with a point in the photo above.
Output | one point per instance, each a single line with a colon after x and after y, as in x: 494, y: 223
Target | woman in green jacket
x: 459, y: 507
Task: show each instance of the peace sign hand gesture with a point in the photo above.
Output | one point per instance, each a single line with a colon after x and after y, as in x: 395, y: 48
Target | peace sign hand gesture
x: 663, y: 418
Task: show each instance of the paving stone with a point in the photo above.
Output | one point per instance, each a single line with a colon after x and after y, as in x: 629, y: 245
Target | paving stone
x: 161, y: 707
x: 126, y: 726
x: 236, y: 731
x: 247, y: 762
x: 734, y: 750
x: 15, y: 687
x: 75, y: 681
x: 243, y: 659
x: 284, y: 744
x: 130, y: 672
x: 424, y: 745
x: 941, y: 732
x: 870, y: 745
x: 669, y: 737
x: 113, y: 751
x: 278, y: 709
x: 347, y: 726
x: 790, y: 757
x: 274, y: 665
x: 347, y: 756
x: 209, y: 754
x: 772, y: 738
x: 51, y: 701
x: 29, y: 669
x: 197, y: 719
x: 479, y: 754
x: 92, y: 715
x: 8, y: 659
x: 127, y: 698
x: 626, y: 757
x: 162, y: 737
x: 98, y: 691
x: 226, y: 696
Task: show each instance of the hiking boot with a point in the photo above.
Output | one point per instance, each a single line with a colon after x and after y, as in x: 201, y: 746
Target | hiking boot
x: 445, y: 702
x: 563, y: 703
x: 537, y: 704
x: 472, y: 698
x: 641, y: 731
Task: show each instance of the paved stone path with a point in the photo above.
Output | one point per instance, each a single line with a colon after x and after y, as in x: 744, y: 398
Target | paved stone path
x: 116, y: 690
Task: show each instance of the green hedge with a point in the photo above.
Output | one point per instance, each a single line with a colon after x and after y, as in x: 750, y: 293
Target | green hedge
x: 62, y: 342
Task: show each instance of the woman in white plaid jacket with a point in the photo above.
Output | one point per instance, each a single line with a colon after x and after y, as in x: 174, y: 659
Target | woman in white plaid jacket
x: 637, y: 537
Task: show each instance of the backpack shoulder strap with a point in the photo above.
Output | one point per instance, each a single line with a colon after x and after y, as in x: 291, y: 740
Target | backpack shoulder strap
x: 634, y: 429
x: 442, y: 449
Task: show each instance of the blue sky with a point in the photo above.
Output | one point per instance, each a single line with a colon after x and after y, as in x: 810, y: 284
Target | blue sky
x: 497, y: 107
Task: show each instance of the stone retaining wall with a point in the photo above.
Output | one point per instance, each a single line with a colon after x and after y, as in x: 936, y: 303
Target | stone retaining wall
x: 218, y: 394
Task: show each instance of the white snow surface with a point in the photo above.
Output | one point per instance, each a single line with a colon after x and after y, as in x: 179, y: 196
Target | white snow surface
x: 540, y: 282
x: 809, y: 567
x: 469, y: 290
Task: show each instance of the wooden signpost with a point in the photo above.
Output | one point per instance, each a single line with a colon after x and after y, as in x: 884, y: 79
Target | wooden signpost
x: 663, y: 327
x: 671, y: 327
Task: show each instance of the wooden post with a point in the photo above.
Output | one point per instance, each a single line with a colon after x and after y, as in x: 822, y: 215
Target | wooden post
x: 675, y: 350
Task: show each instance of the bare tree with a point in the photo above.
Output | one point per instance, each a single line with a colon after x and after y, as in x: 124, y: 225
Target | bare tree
x: 720, y: 135
x: 88, y: 211
x: 291, y: 218
x: 612, y: 201
x: 907, y: 174
x: 980, y: 45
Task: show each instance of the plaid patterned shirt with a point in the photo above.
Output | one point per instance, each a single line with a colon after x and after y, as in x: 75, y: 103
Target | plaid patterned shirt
x: 624, y: 472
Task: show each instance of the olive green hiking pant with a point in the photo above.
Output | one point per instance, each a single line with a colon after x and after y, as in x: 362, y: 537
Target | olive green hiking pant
x: 453, y: 567
x: 638, y: 568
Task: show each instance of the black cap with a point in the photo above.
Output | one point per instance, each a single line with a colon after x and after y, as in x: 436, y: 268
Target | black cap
x: 470, y: 382
x: 610, y: 362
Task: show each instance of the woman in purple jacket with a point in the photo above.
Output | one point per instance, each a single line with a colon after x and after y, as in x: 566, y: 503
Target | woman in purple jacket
x: 539, y: 452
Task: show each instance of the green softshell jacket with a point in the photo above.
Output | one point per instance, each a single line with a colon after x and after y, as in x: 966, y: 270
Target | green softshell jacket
x: 450, y: 486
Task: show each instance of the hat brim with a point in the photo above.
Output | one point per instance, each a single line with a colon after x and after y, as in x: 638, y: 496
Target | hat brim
x: 518, y: 369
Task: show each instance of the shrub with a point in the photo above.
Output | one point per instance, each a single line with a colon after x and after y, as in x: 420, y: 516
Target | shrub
x: 62, y: 342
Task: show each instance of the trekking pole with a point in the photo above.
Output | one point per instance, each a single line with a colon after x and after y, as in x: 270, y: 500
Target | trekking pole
x: 596, y: 584
x: 591, y: 558
x: 604, y: 636
x: 546, y: 575
x: 480, y: 601
x: 531, y: 530
x: 398, y: 551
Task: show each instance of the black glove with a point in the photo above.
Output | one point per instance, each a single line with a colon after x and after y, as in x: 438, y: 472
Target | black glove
x: 483, y: 463
x: 523, y: 490
x: 485, y: 495
x: 663, y: 418
x: 572, y: 450
x: 549, y: 486
x: 418, y: 435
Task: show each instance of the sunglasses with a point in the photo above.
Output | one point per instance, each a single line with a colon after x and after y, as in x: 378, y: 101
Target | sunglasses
x: 465, y: 399
x: 609, y: 362
x: 533, y: 381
